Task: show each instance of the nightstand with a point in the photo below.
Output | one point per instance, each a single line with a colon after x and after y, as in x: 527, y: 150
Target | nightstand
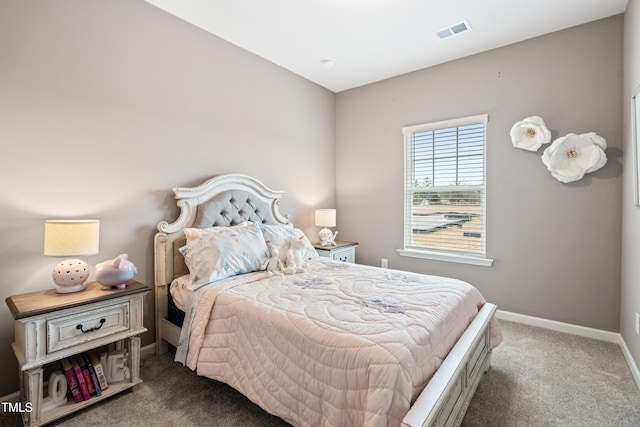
x: 50, y: 327
x: 342, y: 251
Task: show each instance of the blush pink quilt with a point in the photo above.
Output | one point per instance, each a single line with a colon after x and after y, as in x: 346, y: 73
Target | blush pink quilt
x: 340, y: 345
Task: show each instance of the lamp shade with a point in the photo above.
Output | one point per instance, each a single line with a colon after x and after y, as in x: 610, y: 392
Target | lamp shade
x: 71, y: 237
x: 325, y: 217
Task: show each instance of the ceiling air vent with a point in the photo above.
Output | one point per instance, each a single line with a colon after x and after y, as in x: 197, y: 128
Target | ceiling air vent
x: 452, y: 30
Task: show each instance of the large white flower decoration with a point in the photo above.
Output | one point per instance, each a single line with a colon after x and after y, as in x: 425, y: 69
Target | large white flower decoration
x: 568, y: 158
x: 530, y: 134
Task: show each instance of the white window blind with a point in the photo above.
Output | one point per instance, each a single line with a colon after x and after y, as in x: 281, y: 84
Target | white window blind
x: 445, y: 192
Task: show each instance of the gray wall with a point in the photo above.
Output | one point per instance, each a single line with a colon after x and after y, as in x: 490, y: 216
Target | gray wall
x: 107, y: 105
x: 630, y: 300
x: 556, y: 246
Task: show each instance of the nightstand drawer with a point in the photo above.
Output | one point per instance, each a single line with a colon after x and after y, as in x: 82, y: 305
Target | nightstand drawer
x: 344, y: 255
x: 71, y: 330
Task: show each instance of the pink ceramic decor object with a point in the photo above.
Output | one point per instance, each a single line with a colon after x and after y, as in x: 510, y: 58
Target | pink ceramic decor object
x: 115, y: 272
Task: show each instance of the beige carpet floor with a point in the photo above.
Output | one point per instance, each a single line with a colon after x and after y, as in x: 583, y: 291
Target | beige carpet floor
x: 539, y: 378
x: 548, y: 379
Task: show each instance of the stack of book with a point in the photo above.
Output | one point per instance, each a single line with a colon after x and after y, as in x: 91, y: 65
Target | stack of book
x: 85, y: 376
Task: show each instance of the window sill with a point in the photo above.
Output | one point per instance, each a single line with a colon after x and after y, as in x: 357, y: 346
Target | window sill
x: 448, y: 257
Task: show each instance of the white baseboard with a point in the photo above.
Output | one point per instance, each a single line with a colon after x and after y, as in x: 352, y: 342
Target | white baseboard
x: 632, y: 364
x: 148, y: 350
x: 598, y: 334
x: 553, y: 325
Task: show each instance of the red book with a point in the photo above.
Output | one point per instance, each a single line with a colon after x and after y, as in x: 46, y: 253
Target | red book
x: 81, y: 382
x: 72, y: 380
x: 86, y: 374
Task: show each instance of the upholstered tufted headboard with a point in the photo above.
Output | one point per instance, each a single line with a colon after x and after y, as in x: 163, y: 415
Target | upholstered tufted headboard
x: 220, y: 201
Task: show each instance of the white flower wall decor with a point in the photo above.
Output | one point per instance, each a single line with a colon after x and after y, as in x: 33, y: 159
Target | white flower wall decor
x: 568, y: 158
x: 530, y: 133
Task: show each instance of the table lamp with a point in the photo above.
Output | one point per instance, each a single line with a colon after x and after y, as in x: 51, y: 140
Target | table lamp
x: 326, y: 218
x: 71, y: 238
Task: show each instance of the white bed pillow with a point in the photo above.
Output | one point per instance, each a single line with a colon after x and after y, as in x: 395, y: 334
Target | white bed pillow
x: 280, y: 235
x: 224, y: 253
x: 193, y: 233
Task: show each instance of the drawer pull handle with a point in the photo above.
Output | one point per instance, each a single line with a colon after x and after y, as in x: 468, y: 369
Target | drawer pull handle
x: 92, y: 329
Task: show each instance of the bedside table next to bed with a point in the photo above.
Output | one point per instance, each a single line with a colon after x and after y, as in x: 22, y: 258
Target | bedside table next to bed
x: 342, y: 251
x: 50, y: 327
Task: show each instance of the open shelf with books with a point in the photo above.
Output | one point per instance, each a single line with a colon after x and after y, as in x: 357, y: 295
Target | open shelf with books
x: 70, y: 406
x: 103, y: 385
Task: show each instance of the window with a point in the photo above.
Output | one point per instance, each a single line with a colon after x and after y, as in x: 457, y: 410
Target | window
x: 445, y: 191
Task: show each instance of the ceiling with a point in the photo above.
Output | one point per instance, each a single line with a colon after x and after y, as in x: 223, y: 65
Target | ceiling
x: 371, y: 40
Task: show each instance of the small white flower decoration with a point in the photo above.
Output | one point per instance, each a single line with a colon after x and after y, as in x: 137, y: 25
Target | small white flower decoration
x: 530, y: 134
x: 568, y: 158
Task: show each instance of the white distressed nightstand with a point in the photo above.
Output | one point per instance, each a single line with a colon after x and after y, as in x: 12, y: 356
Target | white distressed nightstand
x: 342, y: 251
x: 50, y: 327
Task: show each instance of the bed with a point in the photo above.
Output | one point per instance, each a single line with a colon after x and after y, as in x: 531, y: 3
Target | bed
x: 335, y: 343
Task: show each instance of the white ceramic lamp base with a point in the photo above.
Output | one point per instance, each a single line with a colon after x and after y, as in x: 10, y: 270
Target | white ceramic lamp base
x: 70, y: 275
x: 327, y: 237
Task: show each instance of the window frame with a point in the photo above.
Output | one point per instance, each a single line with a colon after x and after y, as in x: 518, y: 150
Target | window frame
x: 449, y: 255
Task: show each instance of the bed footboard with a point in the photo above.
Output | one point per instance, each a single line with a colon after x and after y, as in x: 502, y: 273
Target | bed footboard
x: 446, y: 398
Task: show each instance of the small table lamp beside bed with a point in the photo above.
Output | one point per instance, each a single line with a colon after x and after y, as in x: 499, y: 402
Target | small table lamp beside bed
x: 339, y: 344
